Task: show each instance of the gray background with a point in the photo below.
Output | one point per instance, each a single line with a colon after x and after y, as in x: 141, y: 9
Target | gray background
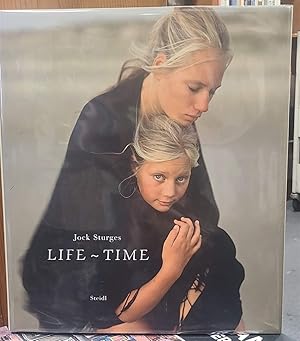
x: 52, y: 63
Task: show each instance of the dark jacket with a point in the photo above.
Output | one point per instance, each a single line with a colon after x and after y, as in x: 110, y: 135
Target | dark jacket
x: 86, y: 199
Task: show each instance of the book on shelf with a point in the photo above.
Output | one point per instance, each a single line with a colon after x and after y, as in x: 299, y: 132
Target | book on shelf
x: 106, y: 231
x: 249, y: 2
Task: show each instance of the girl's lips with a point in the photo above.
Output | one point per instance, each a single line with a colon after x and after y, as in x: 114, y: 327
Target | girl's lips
x: 166, y: 203
x: 193, y: 117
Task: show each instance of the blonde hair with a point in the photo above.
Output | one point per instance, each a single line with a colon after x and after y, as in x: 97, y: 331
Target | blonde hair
x: 159, y: 139
x: 179, y: 34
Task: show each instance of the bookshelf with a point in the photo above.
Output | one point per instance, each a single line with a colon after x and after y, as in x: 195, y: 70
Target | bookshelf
x: 60, y: 4
x: 296, y: 14
x: 295, y: 3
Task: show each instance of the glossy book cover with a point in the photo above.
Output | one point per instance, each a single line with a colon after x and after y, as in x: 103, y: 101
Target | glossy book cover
x: 144, y: 160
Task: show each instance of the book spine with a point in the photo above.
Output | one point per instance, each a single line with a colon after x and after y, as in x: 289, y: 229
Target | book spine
x: 223, y: 2
x: 272, y: 2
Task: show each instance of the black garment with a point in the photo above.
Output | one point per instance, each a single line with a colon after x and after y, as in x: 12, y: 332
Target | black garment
x: 86, y: 199
x: 219, y: 305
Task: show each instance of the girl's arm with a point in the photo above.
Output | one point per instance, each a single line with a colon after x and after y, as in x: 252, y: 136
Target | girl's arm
x: 180, y: 245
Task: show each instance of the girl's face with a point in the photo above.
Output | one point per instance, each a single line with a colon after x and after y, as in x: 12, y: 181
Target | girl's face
x: 161, y: 184
x: 184, y: 93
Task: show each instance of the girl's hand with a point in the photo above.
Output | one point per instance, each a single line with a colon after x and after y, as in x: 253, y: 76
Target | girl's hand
x: 180, y: 245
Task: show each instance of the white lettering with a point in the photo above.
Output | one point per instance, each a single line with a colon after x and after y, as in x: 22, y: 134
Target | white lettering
x: 144, y: 254
x: 67, y: 254
x: 126, y: 255
x: 80, y: 255
x: 49, y: 255
x: 220, y: 337
x: 107, y: 255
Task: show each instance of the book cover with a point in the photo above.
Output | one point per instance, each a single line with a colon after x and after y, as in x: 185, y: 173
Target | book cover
x: 143, y: 160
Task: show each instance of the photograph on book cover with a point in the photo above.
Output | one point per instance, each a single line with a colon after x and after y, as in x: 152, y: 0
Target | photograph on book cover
x: 117, y: 219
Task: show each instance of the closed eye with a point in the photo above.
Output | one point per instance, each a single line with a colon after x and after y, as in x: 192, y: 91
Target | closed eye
x: 194, y: 89
x: 200, y: 87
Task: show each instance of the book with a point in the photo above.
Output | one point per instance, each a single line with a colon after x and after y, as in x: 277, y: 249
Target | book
x: 295, y: 190
x: 8, y: 336
x: 249, y: 2
x: 224, y: 2
x: 89, y: 227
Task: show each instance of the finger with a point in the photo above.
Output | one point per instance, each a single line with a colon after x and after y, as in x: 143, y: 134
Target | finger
x: 191, y: 227
x: 181, y: 223
x: 197, y: 223
x: 197, y: 233
x: 184, y: 228
x: 172, y: 236
x: 197, y: 246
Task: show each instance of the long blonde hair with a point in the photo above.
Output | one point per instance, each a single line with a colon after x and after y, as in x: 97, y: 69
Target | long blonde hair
x: 159, y: 139
x: 177, y: 35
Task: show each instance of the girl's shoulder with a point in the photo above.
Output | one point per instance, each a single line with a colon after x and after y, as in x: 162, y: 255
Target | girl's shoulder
x: 117, y: 99
x: 107, y: 122
x: 224, y: 256
x: 223, y: 243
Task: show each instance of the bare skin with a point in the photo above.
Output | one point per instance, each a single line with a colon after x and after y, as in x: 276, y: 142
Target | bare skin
x: 184, y: 93
x: 183, y: 241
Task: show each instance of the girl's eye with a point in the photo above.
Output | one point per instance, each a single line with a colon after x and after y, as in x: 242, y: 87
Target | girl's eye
x: 193, y: 89
x: 181, y: 179
x: 158, y: 177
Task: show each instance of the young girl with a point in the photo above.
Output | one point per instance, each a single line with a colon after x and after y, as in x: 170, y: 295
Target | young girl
x: 191, y: 280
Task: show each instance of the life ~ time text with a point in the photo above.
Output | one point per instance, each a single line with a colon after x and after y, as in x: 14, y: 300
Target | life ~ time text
x: 105, y: 255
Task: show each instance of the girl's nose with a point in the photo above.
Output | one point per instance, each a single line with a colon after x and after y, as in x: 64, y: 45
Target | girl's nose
x: 202, y: 101
x: 169, y: 189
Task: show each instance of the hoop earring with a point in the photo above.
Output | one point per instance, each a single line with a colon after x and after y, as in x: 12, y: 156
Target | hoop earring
x: 131, y: 182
